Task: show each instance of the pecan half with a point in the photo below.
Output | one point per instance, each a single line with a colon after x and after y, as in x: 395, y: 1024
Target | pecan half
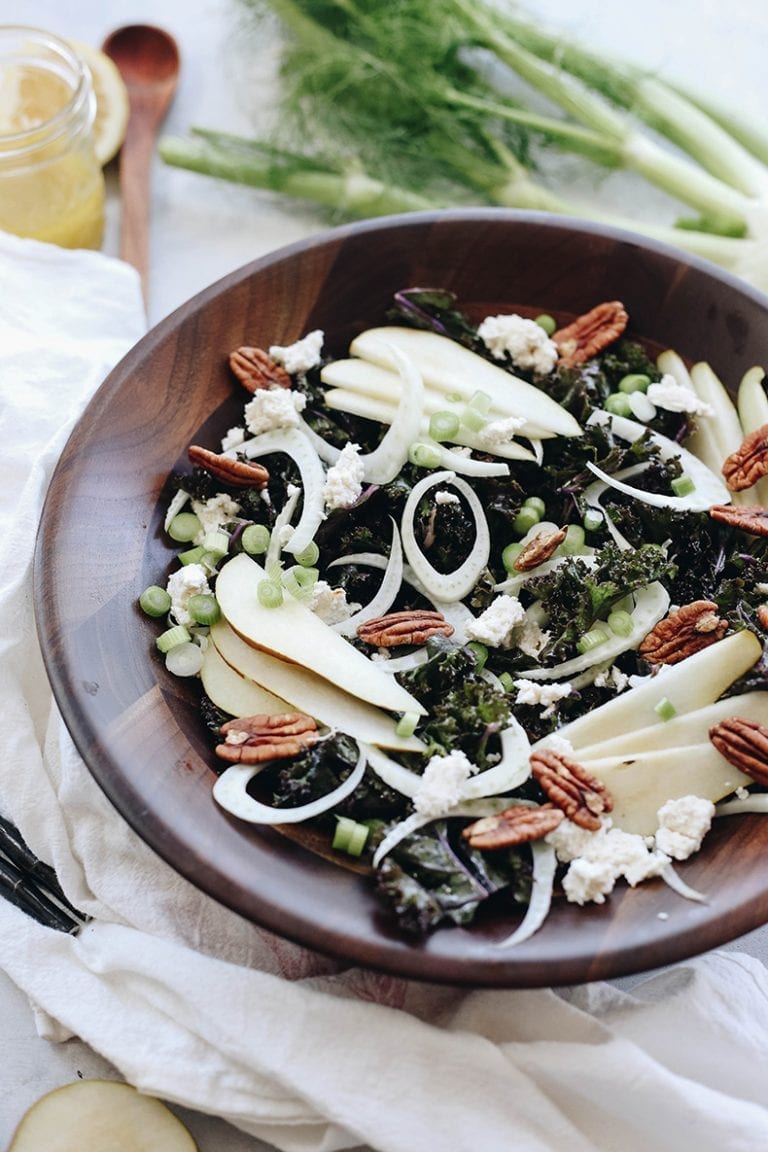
x: 683, y: 632
x: 751, y: 520
x: 571, y: 788
x: 589, y: 334
x: 255, y: 739
x: 410, y: 627
x: 762, y: 615
x: 515, y: 825
x: 256, y: 369
x: 238, y: 473
x: 749, y: 462
x: 744, y: 743
x: 538, y: 549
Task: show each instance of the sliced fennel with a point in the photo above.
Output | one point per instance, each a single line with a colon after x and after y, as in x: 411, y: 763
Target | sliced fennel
x: 387, y: 591
x: 651, y: 603
x: 230, y: 790
x: 544, y: 860
x: 454, y: 585
x: 383, y: 464
x: 296, y: 445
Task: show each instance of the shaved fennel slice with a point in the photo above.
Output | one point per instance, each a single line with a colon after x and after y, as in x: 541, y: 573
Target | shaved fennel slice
x: 708, y: 489
x: 175, y: 506
x: 543, y: 883
x: 756, y: 802
x: 328, y: 453
x: 383, y: 464
x: 651, y: 603
x: 387, y: 591
x: 282, y: 520
x: 511, y: 771
x: 295, y: 444
x: 592, y: 496
x: 670, y: 877
x: 393, y: 774
x: 476, y: 809
x: 448, y: 586
x: 466, y: 465
x: 231, y: 791
x: 405, y: 663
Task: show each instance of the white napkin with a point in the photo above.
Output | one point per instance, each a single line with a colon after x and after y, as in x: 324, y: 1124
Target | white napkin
x: 195, y: 1005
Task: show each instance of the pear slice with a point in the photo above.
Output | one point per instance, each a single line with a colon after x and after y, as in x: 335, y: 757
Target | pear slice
x: 307, y: 692
x: 693, y: 683
x: 234, y: 693
x: 639, y: 784
x: 96, y: 1115
x: 294, y: 633
x: 449, y: 367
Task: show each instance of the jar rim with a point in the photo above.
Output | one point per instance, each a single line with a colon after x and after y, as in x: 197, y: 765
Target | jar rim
x: 81, y: 100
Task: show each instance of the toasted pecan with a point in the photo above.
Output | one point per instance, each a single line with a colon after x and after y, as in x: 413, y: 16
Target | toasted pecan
x: 237, y: 473
x: 752, y: 520
x: 255, y: 369
x: 749, y: 462
x: 538, y: 549
x: 744, y: 744
x: 515, y: 825
x: 590, y: 334
x: 413, y: 626
x: 582, y: 797
x: 687, y: 630
x: 256, y: 739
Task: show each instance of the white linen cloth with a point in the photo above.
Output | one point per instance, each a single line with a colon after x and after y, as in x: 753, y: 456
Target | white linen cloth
x: 195, y: 1005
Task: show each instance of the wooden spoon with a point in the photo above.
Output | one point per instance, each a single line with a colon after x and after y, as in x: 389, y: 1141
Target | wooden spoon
x: 148, y: 60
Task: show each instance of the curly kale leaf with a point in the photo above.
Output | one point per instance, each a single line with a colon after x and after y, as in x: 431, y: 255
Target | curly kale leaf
x: 575, y: 595
x: 434, y: 309
x: 433, y: 876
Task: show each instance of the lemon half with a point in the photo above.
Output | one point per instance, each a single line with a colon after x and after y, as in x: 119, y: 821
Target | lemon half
x: 111, y: 101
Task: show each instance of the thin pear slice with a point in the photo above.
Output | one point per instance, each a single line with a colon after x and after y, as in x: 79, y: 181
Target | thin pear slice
x: 309, y: 693
x: 641, y: 783
x: 295, y: 633
x: 234, y: 693
x: 96, y: 1115
x: 450, y: 367
x: 690, y: 728
x: 693, y: 683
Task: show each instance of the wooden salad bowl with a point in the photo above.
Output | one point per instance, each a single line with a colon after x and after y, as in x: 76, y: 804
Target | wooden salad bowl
x: 137, y: 727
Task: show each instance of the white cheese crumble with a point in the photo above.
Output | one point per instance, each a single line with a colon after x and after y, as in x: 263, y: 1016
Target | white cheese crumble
x: 524, y: 341
x: 612, y: 678
x: 598, y: 859
x: 495, y: 625
x: 189, y: 581
x: 497, y: 432
x: 674, y: 397
x: 330, y: 604
x: 557, y: 743
x: 442, y: 783
x: 683, y: 824
x: 446, y: 498
x: 233, y: 439
x: 273, y: 408
x: 344, y: 479
x: 301, y: 355
x: 214, y: 514
x: 530, y: 638
x: 547, y: 695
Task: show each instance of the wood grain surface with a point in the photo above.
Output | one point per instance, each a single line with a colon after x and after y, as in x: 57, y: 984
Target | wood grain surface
x: 137, y: 728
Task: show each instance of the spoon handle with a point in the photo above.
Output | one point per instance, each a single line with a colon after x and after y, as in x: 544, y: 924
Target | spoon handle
x: 136, y: 157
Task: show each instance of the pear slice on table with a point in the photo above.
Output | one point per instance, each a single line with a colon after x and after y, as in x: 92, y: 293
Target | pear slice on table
x: 100, y: 1116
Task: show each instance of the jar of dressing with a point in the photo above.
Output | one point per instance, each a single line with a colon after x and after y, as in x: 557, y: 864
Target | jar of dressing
x: 51, y: 184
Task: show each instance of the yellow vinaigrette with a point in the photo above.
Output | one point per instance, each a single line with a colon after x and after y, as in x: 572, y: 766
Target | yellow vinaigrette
x: 51, y: 182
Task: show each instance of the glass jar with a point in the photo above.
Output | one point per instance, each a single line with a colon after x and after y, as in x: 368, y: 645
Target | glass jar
x: 51, y: 184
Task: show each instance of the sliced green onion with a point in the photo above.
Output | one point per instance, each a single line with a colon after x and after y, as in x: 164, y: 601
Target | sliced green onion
x: 216, y: 543
x: 424, y: 455
x: 480, y: 402
x: 255, y: 539
x: 591, y: 640
x: 480, y: 653
x: 473, y: 420
x: 210, y: 560
x: 350, y: 836
x: 454, y: 397
x: 184, y: 659
x: 308, y: 556
x: 406, y: 725
x: 574, y: 540
x: 444, y: 425
x: 184, y: 527
x: 547, y: 322
x: 173, y: 636
x: 526, y: 519
x: 507, y: 681
x: 204, y: 608
x: 683, y: 485
x: 593, y: 520
x: 617, y: 403
x: 634, y: 382
x: 537, y: 504
x: 509, y: 555
x: 270, y: 594
x: 192, y: 555
x: 620, y: 623
x: 155, y: 601
x: 665, y: 709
